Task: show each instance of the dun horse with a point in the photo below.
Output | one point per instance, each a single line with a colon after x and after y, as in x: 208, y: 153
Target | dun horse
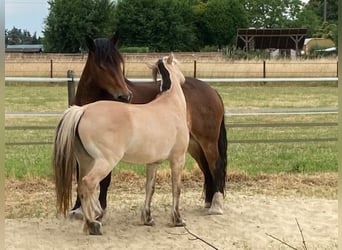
x: 101, y: 134
x: 103, y: 79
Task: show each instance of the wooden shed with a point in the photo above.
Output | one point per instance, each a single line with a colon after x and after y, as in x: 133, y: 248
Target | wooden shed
x: 274, y: 39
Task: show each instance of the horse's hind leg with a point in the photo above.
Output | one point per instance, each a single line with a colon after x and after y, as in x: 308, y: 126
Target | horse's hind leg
x: 76, y: 211
x: 176, y: 176
x: 218, y: 177
x: 87, y: 192
x: 220, y: 171
x: 146, y: 216
x: 197, y: 153
x: 90, y: 205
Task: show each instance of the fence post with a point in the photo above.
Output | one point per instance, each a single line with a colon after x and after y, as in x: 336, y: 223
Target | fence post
x: 195, y: 68
x: 264, y: 69
x: 51, y: 69
x: 71, y: 87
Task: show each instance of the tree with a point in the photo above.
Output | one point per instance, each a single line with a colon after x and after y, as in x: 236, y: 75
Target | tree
x: 18, y: 36
x: 327, y: 29
x: 162, y: 25
x: 271, y: 13
x: 331, y: 9
x: 221, y: 19
x: 308, y: 19
x: 69, y: 22
x: 13, y: 36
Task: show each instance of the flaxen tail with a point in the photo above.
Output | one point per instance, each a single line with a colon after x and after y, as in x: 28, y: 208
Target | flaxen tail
x: 63, y: 158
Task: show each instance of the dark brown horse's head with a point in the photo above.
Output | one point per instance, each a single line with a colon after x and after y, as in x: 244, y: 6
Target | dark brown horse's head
x: 106, y: 64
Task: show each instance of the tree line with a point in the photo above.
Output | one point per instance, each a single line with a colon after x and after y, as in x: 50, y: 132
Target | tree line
x: 18, y: 36
x: 179, y: 25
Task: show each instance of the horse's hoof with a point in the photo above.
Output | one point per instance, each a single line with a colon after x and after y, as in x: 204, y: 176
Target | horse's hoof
x: 76, y: 214
x: 207, y: 204
x: 149, y: 223
x: 94, y: 228
x: 180, y: 223
x: 217, y: 204
x: 146, y: 218
x: 215, y: 211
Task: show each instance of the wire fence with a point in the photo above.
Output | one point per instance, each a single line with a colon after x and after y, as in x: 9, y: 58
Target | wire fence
x: 229, y: 113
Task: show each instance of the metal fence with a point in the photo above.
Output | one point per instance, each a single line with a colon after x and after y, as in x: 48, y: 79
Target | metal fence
x: 274, y: 112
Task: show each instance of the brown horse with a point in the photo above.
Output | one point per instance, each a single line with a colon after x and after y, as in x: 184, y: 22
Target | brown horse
x: 101, y: 134
x: 208, y: 141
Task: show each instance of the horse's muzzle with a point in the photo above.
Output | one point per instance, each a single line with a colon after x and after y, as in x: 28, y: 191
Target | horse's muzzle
x: 125, y: 97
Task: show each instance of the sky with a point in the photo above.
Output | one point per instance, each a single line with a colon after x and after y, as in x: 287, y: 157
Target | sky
x: 26, y: 15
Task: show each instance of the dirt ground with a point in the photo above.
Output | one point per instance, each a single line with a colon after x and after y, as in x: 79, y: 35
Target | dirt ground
x: 258, y: 214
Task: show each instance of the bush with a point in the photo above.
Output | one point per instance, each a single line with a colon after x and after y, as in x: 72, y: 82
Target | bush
x: 134, y: 49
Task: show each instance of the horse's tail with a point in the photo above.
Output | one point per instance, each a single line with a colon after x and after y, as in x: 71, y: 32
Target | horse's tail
x: 63, y: 159
x: 222, y: 147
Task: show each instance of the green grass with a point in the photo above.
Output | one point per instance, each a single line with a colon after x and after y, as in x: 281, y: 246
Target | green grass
x: 38, y: 97
x: 277, y: 95
x: 308, y: 157
x: 286, y: 158
x: 31, y: 160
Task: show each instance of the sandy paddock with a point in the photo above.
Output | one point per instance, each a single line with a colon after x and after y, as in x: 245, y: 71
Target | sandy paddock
x: 253, y: 214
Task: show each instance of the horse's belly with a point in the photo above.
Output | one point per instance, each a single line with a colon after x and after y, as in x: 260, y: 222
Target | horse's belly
x: 144, y: 155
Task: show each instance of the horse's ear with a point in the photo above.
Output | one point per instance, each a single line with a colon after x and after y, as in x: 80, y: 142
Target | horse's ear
x: 151, y: 65
x: 170, y: 58
x: 115, y: 38
x: 90, y: 43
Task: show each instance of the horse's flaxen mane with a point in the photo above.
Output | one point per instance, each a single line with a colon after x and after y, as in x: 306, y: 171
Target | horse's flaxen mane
x: 105, y: 51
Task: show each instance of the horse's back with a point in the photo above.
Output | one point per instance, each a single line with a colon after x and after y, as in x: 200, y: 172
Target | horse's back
x: 203, y: 102
x: 143, y: 92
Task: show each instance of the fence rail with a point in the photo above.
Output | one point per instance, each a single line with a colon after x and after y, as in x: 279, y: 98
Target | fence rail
x: 325, y: 110
x: 208, y: 80
x: 191, y: 65
x: 228, y: 125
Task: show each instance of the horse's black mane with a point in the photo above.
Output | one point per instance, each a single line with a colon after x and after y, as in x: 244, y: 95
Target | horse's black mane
x: 166, y: 81
x: 106, y: 51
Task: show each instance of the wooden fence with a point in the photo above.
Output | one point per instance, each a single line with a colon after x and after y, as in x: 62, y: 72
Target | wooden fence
x: 200, y: 65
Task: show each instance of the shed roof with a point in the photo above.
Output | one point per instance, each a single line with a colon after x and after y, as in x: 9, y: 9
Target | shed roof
x: 286, y: 38
x: 29, y: 48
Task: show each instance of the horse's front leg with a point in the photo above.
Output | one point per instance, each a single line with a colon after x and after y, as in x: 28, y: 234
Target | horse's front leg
x: 146, y: 217
x: 176, y: 175
x: 104, y: 185
x: 76, y: 211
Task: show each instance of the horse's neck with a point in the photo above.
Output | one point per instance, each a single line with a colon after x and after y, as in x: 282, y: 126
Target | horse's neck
x: 175, y: 93
x: 87, y: 90
x: 143, y: 92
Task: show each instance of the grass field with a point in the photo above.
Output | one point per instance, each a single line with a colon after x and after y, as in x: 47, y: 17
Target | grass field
x: 250, y: 159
